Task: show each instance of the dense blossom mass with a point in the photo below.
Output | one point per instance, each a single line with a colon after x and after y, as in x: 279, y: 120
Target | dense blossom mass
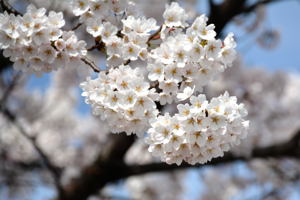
x: 123, y: 99
x: 36, y: 43
x: 148, y: 66
x: 201, y: 130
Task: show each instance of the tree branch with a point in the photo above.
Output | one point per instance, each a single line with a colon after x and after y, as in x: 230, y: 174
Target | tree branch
x: 76, y: 27
x: 289, y: 149
x: 222, y: 14
x: 108, y: 170
x: 91, y: 64
x: 8, y: 8
x: 54, y: 170
x: 108, y: 166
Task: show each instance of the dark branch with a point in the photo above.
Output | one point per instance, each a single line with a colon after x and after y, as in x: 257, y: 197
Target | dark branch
x: 288, y: 149
x: 222, y: 14
x: 91, y: 64
x: 8, y: 8
x: 107, y: 166
x: 76, y: 26
x: 112, y: 168
x: 153, y: 35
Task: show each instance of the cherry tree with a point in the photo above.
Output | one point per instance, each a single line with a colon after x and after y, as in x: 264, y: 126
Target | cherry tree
x: 159, y: 87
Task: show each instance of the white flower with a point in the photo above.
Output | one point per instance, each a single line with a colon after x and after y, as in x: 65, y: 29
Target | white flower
x: 41, y: 37
x: 196, y: 137
x: 228, y: 54
x: 165, y: 98
x: 187, y: 93
x: 108, y: 31
x: 197, y: 52
x: 199, y: 103
x: 114, y: 46
x: 99, y: 7
x: 172, y: 71
x: 36, y: 63
x: 60, y: 44
x: 80, y: 7
x: 156, y: 71
x: 175, y: 16
x: 163, y: 54
x: 169, y: 86
x: 184, y: 111
x: 30, y: 51
x: 114, y: 60
x: 54, y: 34
x: 34, y: 12
x: 143, y: 54
x: 137, y: 39
x: 200, y: 28
x: 94, y: 27
x: 212, y: 48
x: 56, y: 20
x: 20, y: 64
x: 47, y: 53
x: 130, y: 51
x: 140, y: 25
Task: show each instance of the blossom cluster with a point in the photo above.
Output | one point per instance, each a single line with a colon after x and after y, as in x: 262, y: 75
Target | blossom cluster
x: 175, y: 61
x: 189, y: 56
x: 122, y: 98
x: 35, y: 41
x: 182, y: 60
x: 200, y: 131
x: 100, y: 9
x: 102, y: 20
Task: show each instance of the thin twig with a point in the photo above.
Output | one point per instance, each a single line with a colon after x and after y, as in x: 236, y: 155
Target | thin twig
x: 127, y: 62
x: 154, y: 34
x: 76, y: 27
x: 91, y: 64
x: 98, y: 46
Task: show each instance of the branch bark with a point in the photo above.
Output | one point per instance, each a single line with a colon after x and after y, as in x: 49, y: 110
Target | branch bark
x: 106, y: 168
x: 289, y: 149
x: 91, y: 64
x: 105, y: 171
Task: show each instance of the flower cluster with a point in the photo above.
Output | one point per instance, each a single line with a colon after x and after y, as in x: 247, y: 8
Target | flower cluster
x: 189, y: 56
x: 200, y: 131
x: 128, y: 44
x: 180, y: 63
x: 178, y: 59
x: 100, y: 9
x: 122, y: 98
x: 35, y: 41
